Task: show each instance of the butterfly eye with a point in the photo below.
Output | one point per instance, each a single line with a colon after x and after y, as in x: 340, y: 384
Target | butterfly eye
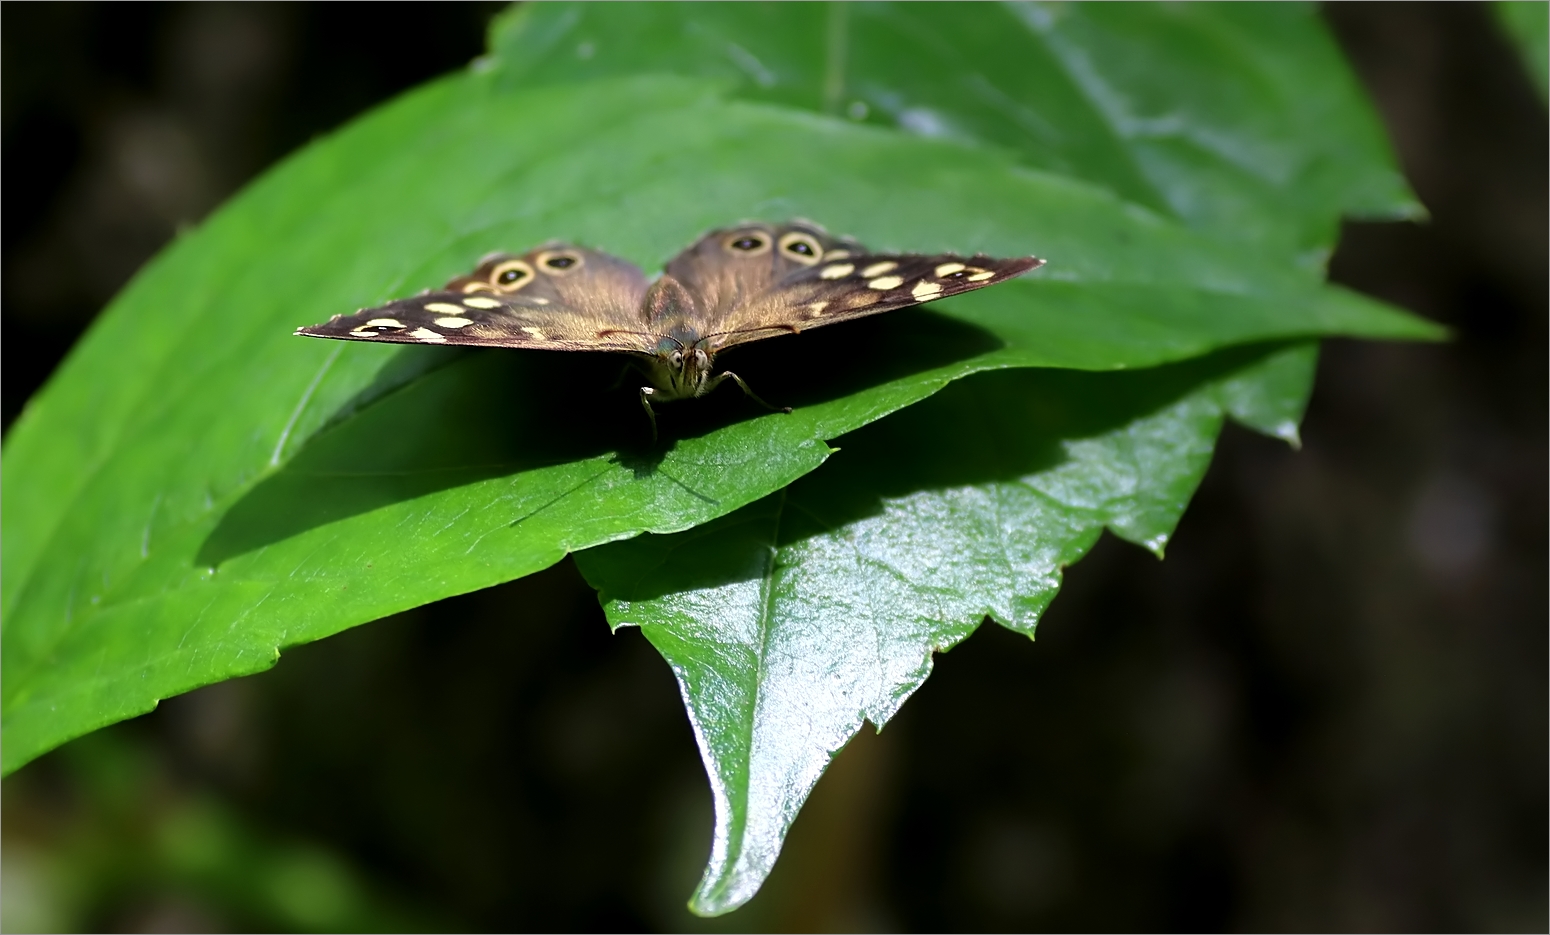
x: 801, y: 247
x: 511, y: 275
x: 677, y: 358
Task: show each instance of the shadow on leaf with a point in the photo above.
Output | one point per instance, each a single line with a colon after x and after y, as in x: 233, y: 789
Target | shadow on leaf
x: 489, y: 414
x: 424, y: 427
x: 991, y: 427
x: 826, y: 364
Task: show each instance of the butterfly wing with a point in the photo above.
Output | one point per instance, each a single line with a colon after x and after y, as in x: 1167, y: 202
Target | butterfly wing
x: 756, y: 281
x: 867, y: 284
x: 727, y: 270
x: 557, y: 297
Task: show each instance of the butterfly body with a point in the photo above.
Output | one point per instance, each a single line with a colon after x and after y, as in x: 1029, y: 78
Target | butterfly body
x: 732, y: 286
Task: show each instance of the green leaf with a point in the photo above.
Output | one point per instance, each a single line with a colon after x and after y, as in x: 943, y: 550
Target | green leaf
x: 792, y: 620
x: 1239, y: 119
x: 196, y: 489
x: 1527, y: 24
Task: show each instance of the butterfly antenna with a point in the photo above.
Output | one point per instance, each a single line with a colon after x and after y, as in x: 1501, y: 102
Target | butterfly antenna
x: 791, y: 329
x: 645, y: 334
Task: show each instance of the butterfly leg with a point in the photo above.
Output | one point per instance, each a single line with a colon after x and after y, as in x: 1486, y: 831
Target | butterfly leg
x: 729, y: 375
x: 646, y: 393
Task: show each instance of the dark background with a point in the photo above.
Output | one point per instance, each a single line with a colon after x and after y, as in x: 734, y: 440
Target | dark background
x: 1326, y: 710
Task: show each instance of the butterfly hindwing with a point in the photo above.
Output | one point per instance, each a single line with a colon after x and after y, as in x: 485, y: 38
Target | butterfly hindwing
x: 558, y: 297
x: 727, y: 270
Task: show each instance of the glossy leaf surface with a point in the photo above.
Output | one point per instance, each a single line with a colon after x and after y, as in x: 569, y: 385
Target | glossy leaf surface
x: 792, y: 620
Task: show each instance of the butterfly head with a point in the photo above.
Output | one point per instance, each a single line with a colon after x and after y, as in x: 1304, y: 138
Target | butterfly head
x: 683, y: 366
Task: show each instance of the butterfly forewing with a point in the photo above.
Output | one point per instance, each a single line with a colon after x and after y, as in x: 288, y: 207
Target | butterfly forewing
x: 856, y: 285
x: 558, y: 297
x: 732, y: 286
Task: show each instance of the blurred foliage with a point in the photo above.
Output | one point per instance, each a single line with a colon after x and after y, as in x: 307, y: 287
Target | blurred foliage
x: 1527, y: 23
x: 207, y: 866
x: 409, y: 367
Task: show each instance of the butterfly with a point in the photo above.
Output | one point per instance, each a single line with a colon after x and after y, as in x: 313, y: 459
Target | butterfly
x: 732, y: 286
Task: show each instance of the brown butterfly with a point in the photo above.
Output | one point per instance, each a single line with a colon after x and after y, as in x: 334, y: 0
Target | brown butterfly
x: 736, y: 285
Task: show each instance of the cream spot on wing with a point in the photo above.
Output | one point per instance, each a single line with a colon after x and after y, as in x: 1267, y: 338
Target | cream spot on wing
x: 817, y: 308
x: 861, y: 300
x: 886, y: 282
x: 444, y: 308
x: 982, y: 275
x: 453, y: 322
x: 358, y: 333
x: 836, y: 272
x: 837, y: 255
x: 426, y: 334
x: 877, y: 269
x: 925, y: 289
x: 379, y: 322
x: 537, y: 333
x: 947, y: 269
x: 481, y: 302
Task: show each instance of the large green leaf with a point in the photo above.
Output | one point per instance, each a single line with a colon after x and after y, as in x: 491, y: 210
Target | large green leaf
x: 792, y: 620
x: 1239, y: 119
x: 196, y: 489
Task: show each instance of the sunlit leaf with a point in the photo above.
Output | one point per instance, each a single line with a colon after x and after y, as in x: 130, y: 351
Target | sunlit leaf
x: 792, y: 620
